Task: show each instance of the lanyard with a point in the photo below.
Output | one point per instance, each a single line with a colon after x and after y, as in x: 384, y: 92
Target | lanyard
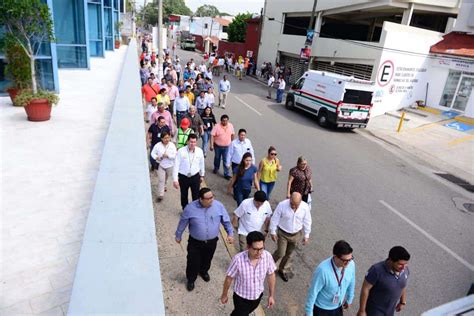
x: 189, y: 159
x: 339, y: 281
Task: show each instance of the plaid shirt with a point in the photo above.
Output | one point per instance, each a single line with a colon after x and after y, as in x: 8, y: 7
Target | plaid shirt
x: 249, y: 280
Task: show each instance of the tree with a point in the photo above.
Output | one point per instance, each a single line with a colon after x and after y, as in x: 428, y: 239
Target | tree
x: 29, y: 24
x: 207, y: 10
x: 238, y: 27
x: 150, y: 11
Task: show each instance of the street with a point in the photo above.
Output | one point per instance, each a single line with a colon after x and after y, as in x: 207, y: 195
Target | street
x: 364, y: 194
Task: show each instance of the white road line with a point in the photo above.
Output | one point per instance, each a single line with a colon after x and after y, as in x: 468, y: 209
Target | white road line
x: 427, y: 235
x: 248, y: 105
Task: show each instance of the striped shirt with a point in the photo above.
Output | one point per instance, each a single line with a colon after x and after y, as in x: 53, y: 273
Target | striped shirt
x: 249, y: 280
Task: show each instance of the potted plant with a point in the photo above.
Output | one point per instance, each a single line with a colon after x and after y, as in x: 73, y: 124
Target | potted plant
x: 17, y: 68
x: 118, y: 26
x: 28, y: 23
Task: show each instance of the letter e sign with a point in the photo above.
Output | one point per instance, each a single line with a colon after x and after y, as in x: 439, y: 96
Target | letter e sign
x: 385, y: 74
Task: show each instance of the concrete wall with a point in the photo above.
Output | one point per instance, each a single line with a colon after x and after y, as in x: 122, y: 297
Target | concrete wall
x: 198, y: 24
x: 118, y: 270
x: 465, y: 19
x: 234, y: 48
x: 400, y: 77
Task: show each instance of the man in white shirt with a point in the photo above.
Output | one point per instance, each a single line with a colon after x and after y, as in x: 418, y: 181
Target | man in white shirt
x: 192, y: 64
x: 271, y: 80
x: 210, y: 99
x: 253, y: 214
x: 290, y: 223
x: 238, y: 148
x: 224, y: 89
x: 181, y: 107
x: 164, y: 153
x: 188, y: 172
x: 281, y: 89
x: 202, y: 67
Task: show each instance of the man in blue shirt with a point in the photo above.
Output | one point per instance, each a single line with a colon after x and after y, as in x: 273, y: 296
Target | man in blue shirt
x: 204, y: 217
x: 333, y: 283
x: 384, y: 290
x: 224, y: 89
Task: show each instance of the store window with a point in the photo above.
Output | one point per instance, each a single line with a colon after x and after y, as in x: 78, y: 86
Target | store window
x: 96, y: 41
x: 457, y: 90
x: 108, y: 25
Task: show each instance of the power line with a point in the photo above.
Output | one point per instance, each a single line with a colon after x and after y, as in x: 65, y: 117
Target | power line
x: 429, y: 56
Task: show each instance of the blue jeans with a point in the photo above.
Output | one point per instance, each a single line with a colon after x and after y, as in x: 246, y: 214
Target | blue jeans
x: 280, y: 95
x: 221, y: 154
x: 206, y: 136
x: 241, y: 194
x: 179, y: 116
x: 267, y: 187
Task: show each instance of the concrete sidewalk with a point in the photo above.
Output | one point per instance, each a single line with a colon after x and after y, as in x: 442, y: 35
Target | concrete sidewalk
x: 48, y: 174
x: 425, y: 135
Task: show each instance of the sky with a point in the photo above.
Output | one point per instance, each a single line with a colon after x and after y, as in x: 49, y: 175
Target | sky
x: 229, y: 6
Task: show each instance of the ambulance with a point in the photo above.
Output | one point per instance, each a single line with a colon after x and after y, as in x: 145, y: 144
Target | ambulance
x: 335, y: 99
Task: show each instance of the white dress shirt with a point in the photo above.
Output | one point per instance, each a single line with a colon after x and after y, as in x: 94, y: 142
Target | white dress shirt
x: 202, y: 68
x: 291, y: 221
x: 250, y: 218
x: 188, y: 163
x: 271, y: 80
x: 209, y: 100
x: 281, y: 84
x: 224, y: 85
x: 159, y: 150
x: 181, y: 104
x: 150, y: 109
x: 237, y: 150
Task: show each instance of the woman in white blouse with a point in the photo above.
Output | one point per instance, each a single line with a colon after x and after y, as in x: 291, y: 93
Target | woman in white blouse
x: 164, y: 153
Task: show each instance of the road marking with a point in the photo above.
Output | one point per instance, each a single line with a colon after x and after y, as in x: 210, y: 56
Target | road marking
x: 248, y: 105
x: 461, y: 140
x: 427, y: 235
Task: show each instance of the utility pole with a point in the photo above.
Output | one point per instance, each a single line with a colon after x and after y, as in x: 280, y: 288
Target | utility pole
x: 160, y: 38
x: 311, y: 27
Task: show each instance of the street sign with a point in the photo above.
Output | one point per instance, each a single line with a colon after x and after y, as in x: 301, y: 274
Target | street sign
x: 309, y: 38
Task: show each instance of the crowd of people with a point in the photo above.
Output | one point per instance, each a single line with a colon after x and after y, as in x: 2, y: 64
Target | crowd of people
x: 179, y: 110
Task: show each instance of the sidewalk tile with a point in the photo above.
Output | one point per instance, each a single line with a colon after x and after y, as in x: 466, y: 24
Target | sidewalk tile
x: 48, y: 301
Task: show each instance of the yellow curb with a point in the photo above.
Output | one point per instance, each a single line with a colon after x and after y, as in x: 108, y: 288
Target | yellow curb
x: 463, y: 119
x: 430, y: 110
x: 461, y: 140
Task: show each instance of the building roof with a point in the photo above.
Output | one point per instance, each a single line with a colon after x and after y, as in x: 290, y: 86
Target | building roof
x: 213, y: 39
x: 455, y: 43
x: 222, y: 21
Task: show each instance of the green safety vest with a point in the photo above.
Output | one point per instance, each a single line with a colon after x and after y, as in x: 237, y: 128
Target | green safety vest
x: 183, y: 137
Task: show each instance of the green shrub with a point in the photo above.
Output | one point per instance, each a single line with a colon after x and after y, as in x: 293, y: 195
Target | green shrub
x: 25, y: 96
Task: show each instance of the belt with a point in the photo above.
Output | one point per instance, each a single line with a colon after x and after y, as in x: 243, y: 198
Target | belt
x: 180, y: 174
x: 289, y: 233
x: 203, y: 241
x: 180, y: 112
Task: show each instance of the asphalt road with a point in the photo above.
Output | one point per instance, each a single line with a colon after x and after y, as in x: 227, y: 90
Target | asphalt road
x: 367, y: 194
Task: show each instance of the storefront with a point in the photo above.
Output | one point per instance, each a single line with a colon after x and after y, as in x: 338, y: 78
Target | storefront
x: 452, y: 62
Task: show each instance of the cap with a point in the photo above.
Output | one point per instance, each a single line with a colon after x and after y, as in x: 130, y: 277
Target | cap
x: 185, y: 123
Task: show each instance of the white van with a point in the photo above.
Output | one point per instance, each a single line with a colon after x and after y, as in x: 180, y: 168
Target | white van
x: 335, y: 99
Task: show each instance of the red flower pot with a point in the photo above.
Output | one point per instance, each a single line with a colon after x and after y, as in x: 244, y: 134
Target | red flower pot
x: 117, y: 44
x: 13, y: 92
x: 38, y: 110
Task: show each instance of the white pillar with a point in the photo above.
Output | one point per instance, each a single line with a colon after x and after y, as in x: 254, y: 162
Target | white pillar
x: 407, y: 14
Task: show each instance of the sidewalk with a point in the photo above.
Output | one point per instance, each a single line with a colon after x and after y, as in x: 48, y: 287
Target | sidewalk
x: 436, y: 138
x: 49, y: 172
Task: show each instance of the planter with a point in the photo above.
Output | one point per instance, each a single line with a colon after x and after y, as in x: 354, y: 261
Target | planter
x: 117, y: 44
x: 13, y: 92
x: 38, y: 110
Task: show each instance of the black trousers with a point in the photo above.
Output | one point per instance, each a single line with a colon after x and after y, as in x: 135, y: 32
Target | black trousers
x: 243, y: 307
x: 185, y: 183
x: 323, y: 312
x: 199, y: 257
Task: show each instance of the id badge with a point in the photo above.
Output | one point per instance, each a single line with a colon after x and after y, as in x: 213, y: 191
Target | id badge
x: 335, y: 299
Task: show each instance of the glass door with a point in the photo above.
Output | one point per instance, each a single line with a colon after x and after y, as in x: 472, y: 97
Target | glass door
x: 463, y: 92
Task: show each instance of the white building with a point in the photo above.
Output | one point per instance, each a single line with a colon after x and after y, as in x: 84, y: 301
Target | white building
x: 452, y: 64
x: 383, y: 41
x: 210, y: 27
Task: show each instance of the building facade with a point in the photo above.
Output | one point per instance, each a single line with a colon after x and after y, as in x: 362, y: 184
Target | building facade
x: 82, y: 28
x: 360, y: 38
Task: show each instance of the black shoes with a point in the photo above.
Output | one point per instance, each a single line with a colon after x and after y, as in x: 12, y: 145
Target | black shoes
x: 283, y: 276
x: 205, y: 277
x: 190, y: 286
x: 227, y: 177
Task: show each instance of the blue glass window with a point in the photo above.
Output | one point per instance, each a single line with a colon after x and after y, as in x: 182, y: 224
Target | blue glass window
x: 95, y: 28
x: 108, y: 26
x: 70, y: 30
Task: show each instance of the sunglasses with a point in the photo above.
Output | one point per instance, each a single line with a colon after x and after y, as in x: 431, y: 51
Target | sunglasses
x: 273, y: 154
